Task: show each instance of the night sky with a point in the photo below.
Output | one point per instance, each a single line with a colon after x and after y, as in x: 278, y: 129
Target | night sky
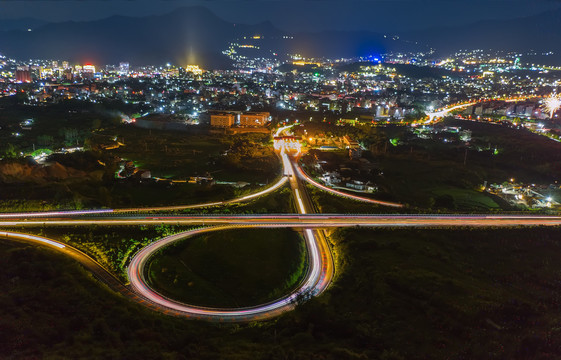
x: 294, y: 16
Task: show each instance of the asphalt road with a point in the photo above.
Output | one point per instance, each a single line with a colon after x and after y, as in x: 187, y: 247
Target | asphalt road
x: 302, y: 174
x: 301, y: 221
x: 321, y: 265
x: 320, y: 270
x: 317, y: 278
x: 139, y: 284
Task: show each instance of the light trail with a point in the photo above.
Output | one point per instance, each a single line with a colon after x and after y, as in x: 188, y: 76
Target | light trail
x: 444, y: 112
x: 27, y: 237
x: 90, y: 264
x: 69, y: 213
x: 316, y: 260
x: 139, y: 284
x: 268, y: 190
x: 320, y: 270
x: 55, y: 213
x: 280, y: 183
x: 282, y: 129
x: 299, y: 201
x: 316, y: 281
x: 287, y: 168
x: 304, y: 221
x: 304, y: 176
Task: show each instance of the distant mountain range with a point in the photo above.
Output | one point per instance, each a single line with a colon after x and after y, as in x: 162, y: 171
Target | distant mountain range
x: 541, y: 33
x: 21, y: 24
x: 196, y: 35
x: 188, y: 35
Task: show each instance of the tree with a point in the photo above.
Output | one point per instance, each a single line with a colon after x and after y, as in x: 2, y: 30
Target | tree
x: 71, y: 136
x: 10, y: 152
x: 45, y: 140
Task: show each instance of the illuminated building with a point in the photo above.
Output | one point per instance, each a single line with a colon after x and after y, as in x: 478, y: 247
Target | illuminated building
x: 45, y: 72
x: 195, y: 69
x: 88, y: 71
x: 68, y: 74
x: 23, y: 74
x: 382, y: 111
x: 224, y: 120
x: 254, y: 119
x: 124, y: 68
x: 303, y: 63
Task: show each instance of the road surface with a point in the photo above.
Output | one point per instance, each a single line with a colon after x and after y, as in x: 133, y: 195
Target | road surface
x: 316, y: 281
x: 302, y: 174
x: 311, y: 285
x: 46, y: 214
x: 298, y: 221
x: 444, y: 112
x: 320, y: 269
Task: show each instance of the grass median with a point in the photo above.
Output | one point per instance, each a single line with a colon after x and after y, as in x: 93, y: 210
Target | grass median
x: 234, y: 268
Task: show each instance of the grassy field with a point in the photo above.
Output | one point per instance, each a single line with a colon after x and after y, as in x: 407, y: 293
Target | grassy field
x: 465, y: 199
x: 120, y: 194
x: 169, y: 154
x: 431, y: 174
x: 51, y: 308
x: 490, y: 294
x: 230, y: 268
x: 278, y: 202
x: 125, y: 194
x: 435, y: 196
x: 179, y: 155
x: 424, y: 183
x: 523, y: 155
x: 414, y: 180
x: 460, y: 294
x: 96, y: 185
x: 165, y: 194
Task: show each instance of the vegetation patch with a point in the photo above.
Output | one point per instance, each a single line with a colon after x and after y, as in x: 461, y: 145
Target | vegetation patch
x: 180, y: 155
x: 230, y: 268
x: 399, y: 294
x: 112, y: 247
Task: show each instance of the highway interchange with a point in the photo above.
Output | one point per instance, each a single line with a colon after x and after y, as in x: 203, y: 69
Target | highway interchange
x: 320, y: 270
